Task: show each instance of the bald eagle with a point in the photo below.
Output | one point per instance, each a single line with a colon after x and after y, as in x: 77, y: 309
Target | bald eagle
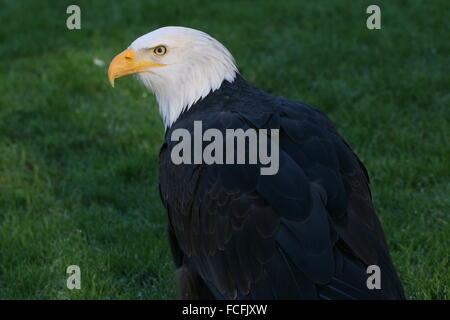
x: 307, y: 232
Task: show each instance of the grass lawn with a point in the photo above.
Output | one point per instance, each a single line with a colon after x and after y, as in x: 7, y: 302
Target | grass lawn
x: 79, y: 160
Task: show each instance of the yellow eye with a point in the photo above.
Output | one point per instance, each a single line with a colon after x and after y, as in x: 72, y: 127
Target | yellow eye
x: 160, y: 50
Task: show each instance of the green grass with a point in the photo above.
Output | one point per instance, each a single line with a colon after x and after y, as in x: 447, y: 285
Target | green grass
x: 79, y: 160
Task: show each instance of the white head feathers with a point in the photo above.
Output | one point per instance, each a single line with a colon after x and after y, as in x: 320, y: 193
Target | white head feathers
x: 194, y: 65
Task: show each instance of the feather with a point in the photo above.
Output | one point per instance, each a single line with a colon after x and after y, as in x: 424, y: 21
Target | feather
x: 308, y: 232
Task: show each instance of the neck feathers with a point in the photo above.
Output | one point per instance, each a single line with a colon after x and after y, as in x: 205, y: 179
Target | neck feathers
x: 178, y: 87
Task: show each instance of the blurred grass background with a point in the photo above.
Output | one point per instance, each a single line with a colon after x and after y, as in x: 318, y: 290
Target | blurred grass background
x: 79, y: 160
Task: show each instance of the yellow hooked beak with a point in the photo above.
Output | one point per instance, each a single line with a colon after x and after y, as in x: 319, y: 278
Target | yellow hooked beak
x: 125, y: 63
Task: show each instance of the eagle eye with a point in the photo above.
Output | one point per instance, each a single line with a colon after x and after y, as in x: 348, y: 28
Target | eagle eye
x: 160, y: 50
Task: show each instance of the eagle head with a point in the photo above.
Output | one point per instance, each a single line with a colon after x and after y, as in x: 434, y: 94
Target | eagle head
x: 179, y: 65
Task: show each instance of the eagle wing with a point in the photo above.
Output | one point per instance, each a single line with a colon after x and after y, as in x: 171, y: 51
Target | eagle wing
x: 307, y: 232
